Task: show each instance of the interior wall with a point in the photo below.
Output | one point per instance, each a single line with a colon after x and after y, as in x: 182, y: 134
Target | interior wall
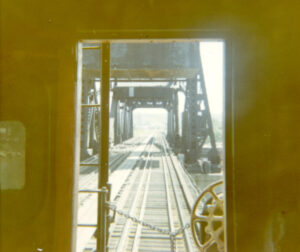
x: 38, y: 76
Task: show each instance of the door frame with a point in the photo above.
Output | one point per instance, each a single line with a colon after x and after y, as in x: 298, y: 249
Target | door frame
x: 171, y: 35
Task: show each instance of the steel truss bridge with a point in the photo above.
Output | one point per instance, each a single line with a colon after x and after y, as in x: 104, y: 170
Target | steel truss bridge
x: 134, y: 193
x: 170, y: 68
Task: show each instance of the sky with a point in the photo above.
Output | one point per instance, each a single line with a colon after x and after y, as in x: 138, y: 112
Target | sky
x: 212, y: 56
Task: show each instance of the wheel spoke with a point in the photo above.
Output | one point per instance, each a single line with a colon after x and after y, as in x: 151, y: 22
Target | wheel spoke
x: 217, y: 218
x: 201, y: 217
x: 208, y: 243
x: 215, y: 196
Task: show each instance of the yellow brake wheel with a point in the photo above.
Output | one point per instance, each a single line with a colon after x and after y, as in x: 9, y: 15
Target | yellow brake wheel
x: 207, y: 220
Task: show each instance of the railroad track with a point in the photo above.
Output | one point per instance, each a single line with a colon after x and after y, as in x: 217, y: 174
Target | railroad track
x: 153, y: 206
x: 122, y: 158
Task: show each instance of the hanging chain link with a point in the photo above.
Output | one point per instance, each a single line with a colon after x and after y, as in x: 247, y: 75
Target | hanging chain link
x: 150, y: 226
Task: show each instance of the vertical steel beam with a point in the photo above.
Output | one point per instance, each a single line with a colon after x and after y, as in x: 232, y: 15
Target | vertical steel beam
x: 214, y: 156
x: 105, y: 88
x: 131, y: 123
x: 175, y: 102
x: 116, y: 121
x: 176, y: 123
x: 125, y: 123
x: 171, y: 118
x: 85, y: 126
x: 191, y: 109
x: 121, y: 123
x: 206, y: 104
x: 168, y: 124
x: 104, y: 148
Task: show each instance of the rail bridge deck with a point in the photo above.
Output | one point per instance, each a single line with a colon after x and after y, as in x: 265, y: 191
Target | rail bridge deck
x: 150, y: 185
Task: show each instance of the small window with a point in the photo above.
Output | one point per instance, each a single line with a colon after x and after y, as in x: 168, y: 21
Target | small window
x: 12, y: 155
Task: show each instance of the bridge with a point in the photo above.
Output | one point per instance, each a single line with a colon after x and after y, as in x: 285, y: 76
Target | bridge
x: 152, y: 198
x: 138, y: 193
x: 169, y: 69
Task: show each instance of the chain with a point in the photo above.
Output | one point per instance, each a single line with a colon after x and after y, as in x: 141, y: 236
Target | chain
x: 180, y: 230
x: 152, y: 227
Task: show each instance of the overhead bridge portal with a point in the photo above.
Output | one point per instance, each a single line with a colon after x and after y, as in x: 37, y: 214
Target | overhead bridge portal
x: 126, y: 99
x: 151, y: 75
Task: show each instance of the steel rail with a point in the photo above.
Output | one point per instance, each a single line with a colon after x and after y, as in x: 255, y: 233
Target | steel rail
x: 174, y: 179
x: 124, y: 192
x: 138, y: 232
x: 172, y: 211
x: 90, y: 177
x: 88, y: 183
x: 145, y: 177
x: 169, y: 207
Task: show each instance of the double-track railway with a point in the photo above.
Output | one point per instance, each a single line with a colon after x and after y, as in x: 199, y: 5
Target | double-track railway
x: 151, y: 199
